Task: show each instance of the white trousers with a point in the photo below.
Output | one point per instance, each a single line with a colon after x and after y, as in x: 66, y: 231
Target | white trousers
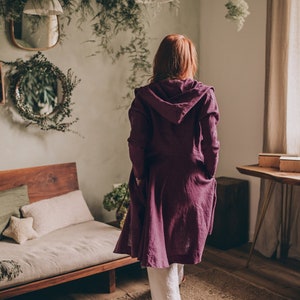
x: 164, y: 283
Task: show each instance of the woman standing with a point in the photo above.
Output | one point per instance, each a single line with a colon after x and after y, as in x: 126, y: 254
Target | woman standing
x: 174, y: 149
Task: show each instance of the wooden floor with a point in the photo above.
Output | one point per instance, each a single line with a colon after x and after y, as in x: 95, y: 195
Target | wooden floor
x: 280, y: 277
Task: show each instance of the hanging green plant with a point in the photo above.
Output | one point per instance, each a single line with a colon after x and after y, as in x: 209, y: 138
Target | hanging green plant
x: 12, y: 10
x: 41, y: 92
x: 111, y: 21
x: 237, y: 11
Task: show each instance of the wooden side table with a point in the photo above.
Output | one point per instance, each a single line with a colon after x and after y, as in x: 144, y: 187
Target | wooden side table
x: 287, y: 181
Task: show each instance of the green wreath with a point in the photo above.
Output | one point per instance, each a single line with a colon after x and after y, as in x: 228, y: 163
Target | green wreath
x: 41, y: 92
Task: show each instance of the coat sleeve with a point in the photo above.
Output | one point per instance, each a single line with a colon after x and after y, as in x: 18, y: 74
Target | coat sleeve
x: 139, y: 137
x: 210, y: 144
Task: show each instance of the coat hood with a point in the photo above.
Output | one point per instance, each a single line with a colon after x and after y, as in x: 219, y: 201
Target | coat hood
x: 172, y: 98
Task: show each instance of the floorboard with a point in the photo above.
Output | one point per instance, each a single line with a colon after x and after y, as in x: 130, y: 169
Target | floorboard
x: 281, y: 277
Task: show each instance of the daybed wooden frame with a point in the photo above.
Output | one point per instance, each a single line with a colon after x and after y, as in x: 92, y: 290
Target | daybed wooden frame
x: 46, y: 182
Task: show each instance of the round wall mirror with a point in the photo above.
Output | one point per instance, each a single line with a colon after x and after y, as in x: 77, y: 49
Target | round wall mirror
x: 40, y: 95
x: 35, y: 32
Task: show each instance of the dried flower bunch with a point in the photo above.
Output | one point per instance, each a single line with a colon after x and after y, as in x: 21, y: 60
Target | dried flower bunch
x: 9, y: 269
x: 237, y: 12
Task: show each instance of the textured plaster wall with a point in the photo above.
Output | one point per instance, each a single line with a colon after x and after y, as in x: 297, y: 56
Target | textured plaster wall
x: 233, y: 62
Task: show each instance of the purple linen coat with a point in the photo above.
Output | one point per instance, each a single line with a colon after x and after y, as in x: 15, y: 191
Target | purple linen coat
x: 174, y: 148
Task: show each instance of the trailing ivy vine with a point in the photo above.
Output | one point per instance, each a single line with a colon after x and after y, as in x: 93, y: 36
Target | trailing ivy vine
x: 110, y: 20
x: 113, y: 18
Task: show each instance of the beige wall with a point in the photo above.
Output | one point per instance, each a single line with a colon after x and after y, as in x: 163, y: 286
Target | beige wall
x: 231, y: 61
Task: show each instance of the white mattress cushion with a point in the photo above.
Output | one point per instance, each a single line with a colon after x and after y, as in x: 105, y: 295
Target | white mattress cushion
x: 61, y: 251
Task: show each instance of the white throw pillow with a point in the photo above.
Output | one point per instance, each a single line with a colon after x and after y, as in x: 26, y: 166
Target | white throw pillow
x: 20, y: 229
x: 57, y: 212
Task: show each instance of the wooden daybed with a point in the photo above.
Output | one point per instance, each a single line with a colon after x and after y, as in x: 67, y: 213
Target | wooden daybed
x: 46, y: 182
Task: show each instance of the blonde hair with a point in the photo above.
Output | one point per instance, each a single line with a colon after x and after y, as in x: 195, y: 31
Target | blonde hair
x: 176, y: 58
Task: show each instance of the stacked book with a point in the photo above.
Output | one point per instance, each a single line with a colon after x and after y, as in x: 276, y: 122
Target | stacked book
x: 289, y: 164
x: 281, y: 161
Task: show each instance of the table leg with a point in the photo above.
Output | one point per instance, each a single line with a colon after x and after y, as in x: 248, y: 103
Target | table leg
x: 263, y: 210
x: 287, y: 194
